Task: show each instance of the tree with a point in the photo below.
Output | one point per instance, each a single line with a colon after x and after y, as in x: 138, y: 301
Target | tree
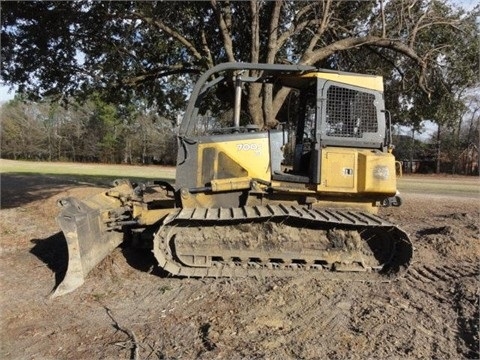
x: 461, y: 137
x: 131, y: 50
x: 22, y: 133
x: 90, y: 131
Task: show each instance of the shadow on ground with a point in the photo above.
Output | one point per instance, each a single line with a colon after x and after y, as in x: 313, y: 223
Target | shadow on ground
x: 143, y: 260
x: 20, y: 189
x: 53, y: 252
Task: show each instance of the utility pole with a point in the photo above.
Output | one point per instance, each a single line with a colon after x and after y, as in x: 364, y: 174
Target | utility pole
x: 412, y: 150
x: 438, y: 150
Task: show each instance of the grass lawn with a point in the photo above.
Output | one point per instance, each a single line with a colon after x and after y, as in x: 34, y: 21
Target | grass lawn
x: 91, y: 173
x: 440, y: 185
x: 103, y: 174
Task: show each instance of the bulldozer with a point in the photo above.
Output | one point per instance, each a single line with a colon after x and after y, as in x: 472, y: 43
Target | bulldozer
x: 298, y: 197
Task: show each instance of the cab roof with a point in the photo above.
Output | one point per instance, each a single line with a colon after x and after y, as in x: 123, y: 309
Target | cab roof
x: 371, y: 82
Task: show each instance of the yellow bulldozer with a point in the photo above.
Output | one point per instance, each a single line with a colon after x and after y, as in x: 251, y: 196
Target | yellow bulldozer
x: 249, y: 201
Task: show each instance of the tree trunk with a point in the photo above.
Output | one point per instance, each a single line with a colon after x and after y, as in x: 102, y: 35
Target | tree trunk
x: 255, y: 104
x: 268, y: 115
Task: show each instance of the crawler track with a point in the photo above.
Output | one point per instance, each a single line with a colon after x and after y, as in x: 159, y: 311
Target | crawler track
x: 278, y: 240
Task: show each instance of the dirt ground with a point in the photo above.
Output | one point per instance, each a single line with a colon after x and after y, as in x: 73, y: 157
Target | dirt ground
x: 128, y: 309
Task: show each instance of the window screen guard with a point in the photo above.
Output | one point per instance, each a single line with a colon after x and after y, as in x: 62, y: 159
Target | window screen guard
x: 351, y: 113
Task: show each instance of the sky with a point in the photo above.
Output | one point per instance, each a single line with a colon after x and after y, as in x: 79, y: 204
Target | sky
x: 5, y: 95
x: 427, y: 130
x: 466, y: 4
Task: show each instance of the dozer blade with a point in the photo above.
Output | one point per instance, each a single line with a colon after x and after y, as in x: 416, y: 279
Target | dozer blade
x: 88, y: 239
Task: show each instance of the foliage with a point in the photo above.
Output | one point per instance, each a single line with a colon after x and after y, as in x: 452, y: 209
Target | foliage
x: 415, y: 155
x: 22, y: 134
x: 130, y: 50
x: 459, y: 140
x: 92, y: 131
x: 454, y: 150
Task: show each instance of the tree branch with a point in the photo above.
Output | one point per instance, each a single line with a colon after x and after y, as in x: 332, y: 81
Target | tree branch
x: 322, y: 27
x: 413, y: 35
x: 206, y: 49
x: 384, y: 26
x: 294, y: 29
x: 157, y: 73
x: 175, y: 34
x: 273, y: 45
x: 255, y: 30
x: 296, y: 26
x: 128, y: 332
x: 225, y: 24
x: 312, y: 57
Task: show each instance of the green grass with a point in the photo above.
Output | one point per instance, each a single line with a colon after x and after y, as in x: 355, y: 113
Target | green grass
x: 104, y: 174
x: 440, y: 185
x: 91, y: 173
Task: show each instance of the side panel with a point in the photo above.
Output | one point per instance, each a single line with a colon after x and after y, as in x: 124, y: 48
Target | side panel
x: 347, y: 170
x: 376, y: 173
x: 339, y: 170
x: 278, y: 140
x: 203, y: 159
x: 229, y: 160
x: 240, y: 156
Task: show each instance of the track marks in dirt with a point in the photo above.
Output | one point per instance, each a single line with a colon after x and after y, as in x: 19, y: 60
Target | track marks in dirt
x: 428, y: 273
x: 398, y: 324
x: 453, y: 289
x: 466, y: 303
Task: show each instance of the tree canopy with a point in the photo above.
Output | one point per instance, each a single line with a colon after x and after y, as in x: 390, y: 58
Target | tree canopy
x: 426, y: 49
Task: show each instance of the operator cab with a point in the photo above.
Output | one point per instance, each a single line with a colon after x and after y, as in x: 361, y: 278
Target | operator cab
x: 330, y: 112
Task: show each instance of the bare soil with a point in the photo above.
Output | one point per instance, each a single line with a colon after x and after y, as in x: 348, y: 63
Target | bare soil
x: 129, y: 309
